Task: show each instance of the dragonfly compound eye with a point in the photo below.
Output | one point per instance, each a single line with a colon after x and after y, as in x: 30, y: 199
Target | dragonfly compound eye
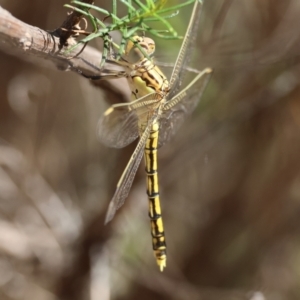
x: 137, y: 42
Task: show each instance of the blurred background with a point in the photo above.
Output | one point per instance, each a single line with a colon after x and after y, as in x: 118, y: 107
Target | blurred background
x: 230, y: 178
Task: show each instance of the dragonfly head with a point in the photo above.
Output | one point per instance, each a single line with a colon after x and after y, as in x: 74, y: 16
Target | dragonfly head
x: 136, y: 43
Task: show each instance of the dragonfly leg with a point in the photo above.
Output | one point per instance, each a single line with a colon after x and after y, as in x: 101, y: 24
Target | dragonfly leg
x: 106, y: 75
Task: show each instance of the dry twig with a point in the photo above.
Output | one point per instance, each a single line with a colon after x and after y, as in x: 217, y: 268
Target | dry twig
x: 39, y: 46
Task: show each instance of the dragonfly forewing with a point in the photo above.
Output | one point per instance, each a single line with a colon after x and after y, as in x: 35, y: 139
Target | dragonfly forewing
x: 118, y: 127
x: 125, y: 182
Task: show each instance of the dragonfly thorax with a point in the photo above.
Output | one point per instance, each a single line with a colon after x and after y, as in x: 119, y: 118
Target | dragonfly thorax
x: 145, y: 77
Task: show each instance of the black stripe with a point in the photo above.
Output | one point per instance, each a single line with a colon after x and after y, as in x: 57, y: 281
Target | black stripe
x: 155, y: 218
x: 159, y: 244
x: 155, y: 230
x: 153, y: 195
x: 151, y: 165
x: 144, y: 62
x: 152, y: 77
x: 151, y: 172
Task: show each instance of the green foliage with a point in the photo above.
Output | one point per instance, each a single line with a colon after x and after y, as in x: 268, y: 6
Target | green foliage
x: 138, y: 16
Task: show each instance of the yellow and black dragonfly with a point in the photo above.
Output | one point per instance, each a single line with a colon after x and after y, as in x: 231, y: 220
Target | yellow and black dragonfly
x: 156, y: 112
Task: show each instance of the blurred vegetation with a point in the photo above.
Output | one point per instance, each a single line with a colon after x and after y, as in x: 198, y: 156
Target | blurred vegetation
x: 230, y: 179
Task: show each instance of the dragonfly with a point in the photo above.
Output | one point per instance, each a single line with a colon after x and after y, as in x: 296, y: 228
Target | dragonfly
x: 157, y: 110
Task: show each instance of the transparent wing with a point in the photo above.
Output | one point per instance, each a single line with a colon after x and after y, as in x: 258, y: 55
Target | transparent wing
x: 125, y: 182
x: 176, y: 109
x: 184, y: 54
x: 118, y: 126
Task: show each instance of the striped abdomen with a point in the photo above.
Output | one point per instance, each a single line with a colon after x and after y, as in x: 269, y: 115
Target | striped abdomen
x: 157, y: 229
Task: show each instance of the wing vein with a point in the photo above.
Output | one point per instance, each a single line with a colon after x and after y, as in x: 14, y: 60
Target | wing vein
x: 125, y: 182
